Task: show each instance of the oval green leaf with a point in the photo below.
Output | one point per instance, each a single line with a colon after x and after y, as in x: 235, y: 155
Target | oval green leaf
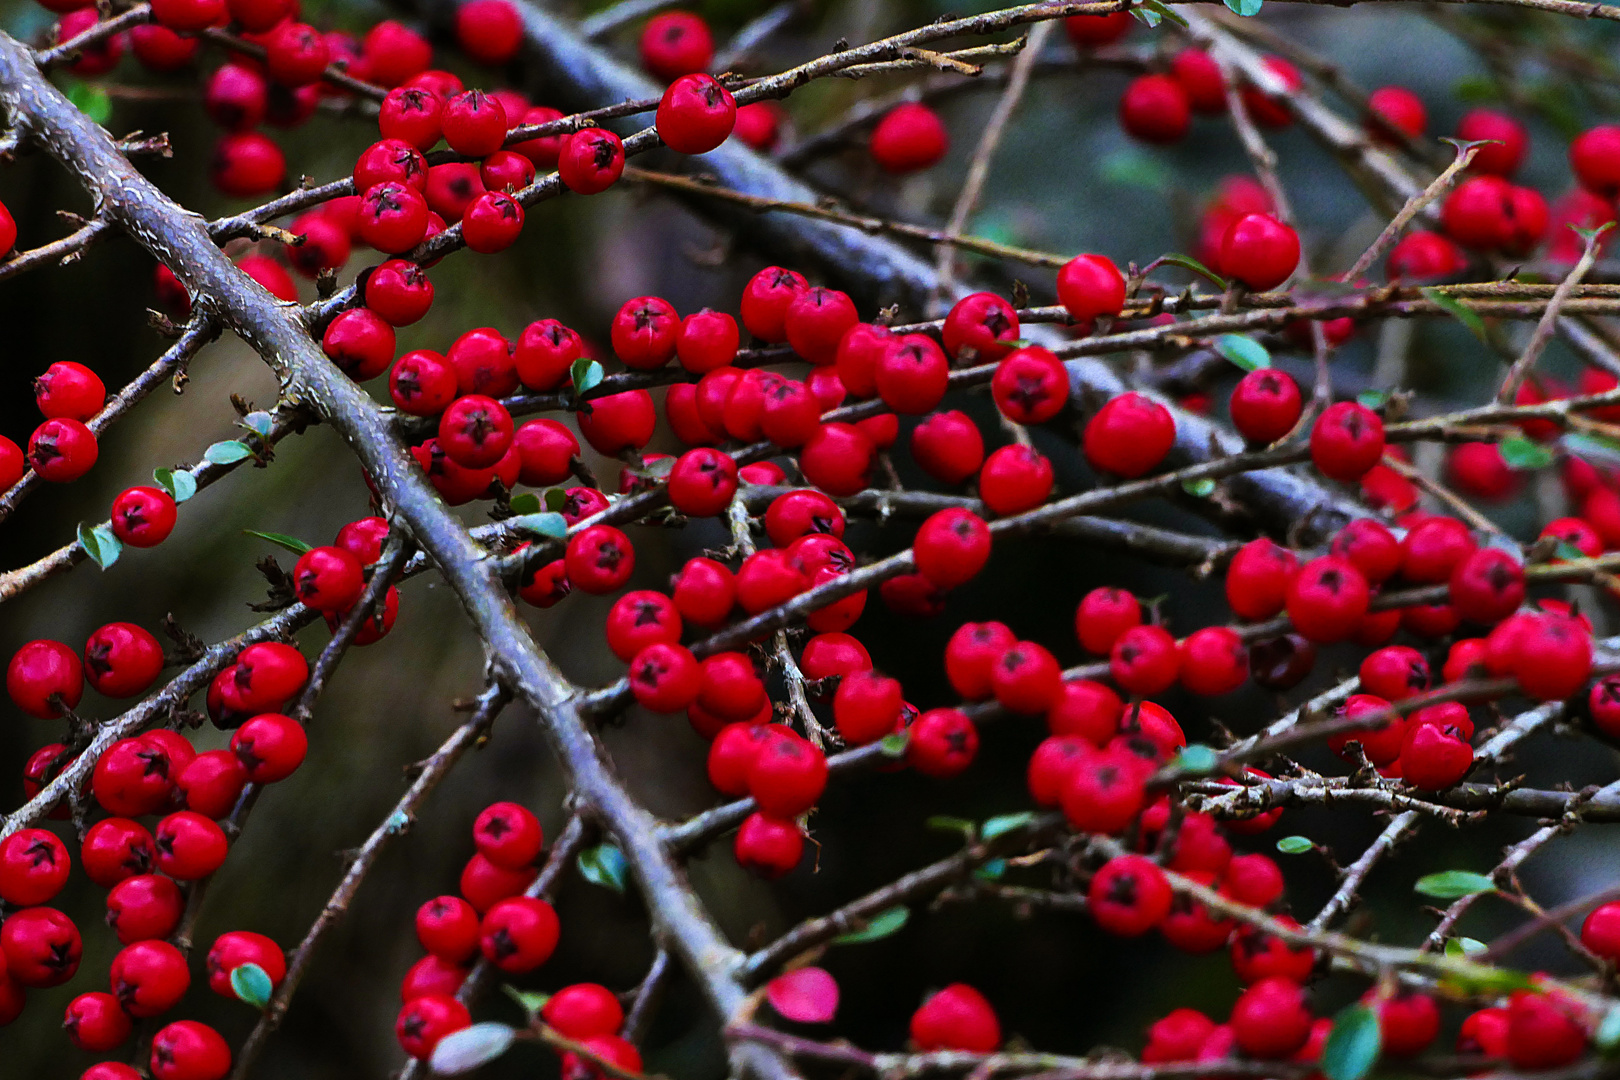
x: 227, y: 453
x: 1245, y: 352
x: 585, y: 375
x: 179, y: 483
x: 526, y: 503
x: 1352, y: 1046
x: 258, y: 422
x: 1294, y: 845
x: 1246, y: 8
x: 251, y: 983
x: 881, y: 926
x: 1195, y: 757
x: 1202, y: 488
x: 1453, y: 884
x: 465, y: 1050
x: 546, y: 523
x: 1003, y: 823
x: 1522, y: 453
x: 603, y: 865
x: 291, y: 543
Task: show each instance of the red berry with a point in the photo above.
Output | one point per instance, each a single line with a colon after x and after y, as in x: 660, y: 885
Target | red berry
x: 909, y: 138
x: 1129, y: 896
x: 149, y: 978
x: 837, y: 459
x: 1396, y: 110
x: 43, y: 677
x: 787, y: 776
x: 1155, y: 109
x: 34, y: 866
x: 489, y: 31
x: 1506, y: 141
x: 492, y: 222
x: 583, y: 1010
x: 1259, y: 251
x: 912, y: 375
x: 1595, y: 158
x: 133, y: 777
x: 942, y: 743
x: 61, y: 451
x: 1271, y: 1019
x: 189, y: 846
x: 1346, y: 441
x: 592, y: 160
x: 765, y: 302
x: 232, y: 950
x: 1145, y: 660
x: 484, y: 884
x: 393, y: 217
x: 1089, y: 286
x: 41, y: 947
x: 1327, y: 599
x: 69, y: 391
x: 270, y: 747
x: 425, y: 1020
x: 599, y: 559
x: 1088, y: 31
x: 951, y: 547
x: 983, y: 323
x: 1200, y: 77
x: 1030, y: 385
x: 676, y: 43
x: 619, y: 422
x: 1265, y: 405
x: 144, y: 907
x: 696, y: 114
x: 1544, y: 1031
x: 519, y: 934
x: 768, y: 846
x: 1214, y: 661
x: 1129, y: 436
x: 956, y: 1018
x: 115, y: 849
x: 95, y: 1022
x: 1434, y: 757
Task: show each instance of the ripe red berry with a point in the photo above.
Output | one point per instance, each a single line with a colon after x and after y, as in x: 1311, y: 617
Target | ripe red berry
x: 1435, y: 756
x: 1544, y: 1031
x: 787, y: 776
x: 956, y: 1018
x: 766, y: 300
x: 583, y: 1010
x: 1102, y: 615
x: 270, y: 747
x: 665, y: 677
x: 96, y: 1023
x: 1595, y: 158
x: 599, y: 559
x: 70, y: 391
x: 619, y: 422
x: 489, y: 31
x: 592, y: 160
x: 144, y: 907
x: 1271, y: 1019
x: 296, y: 53
x: 1089, y: 286
x: 264, y: 677
x: 412, y: 115
x: 837, y: 458
x: 1030, y: 385
x: 189, y: 846
x: 187, y: 1050
x: 1269, y: 111
x: 1601, y: 931
x: 1129, y: 436
x: 1213, y: 661
x: 492, y: 222
x: 1346, y: 441
x: 1129, y: 896
x: 508, y: 835
x: 1327, y: 599
x: 1505, y: 141
x: 425, y: 1020
x: 519, y: 934
x: 676, y: 43
x: 34, y: 866
x: 696, y: 114
x: 1145, y: 660
x: 971, y: 655
x: 1265, y: 405
x: 983, y: 323
x: 1408, y: 1021
x: 1155, y: 109
x: 912, y: 374
x: 393, y: 217
x: 233, y: 949
x: 484, y: 884
x: 1395, y: 110
x: 1200, y: 77
x: 768, y: 846
x: 1487, y: 585
x: 1026, y: 678
x: 41, y: 947
x: 1394, y: 673
x: 1089, y: 31
x: 115, y: 849
x: 149, y: 978
x: 247, y: 163
x: 951, y: 547
x: 61, y: 451
x: 1424, y: 256
x: 942, y: 743
x: 43, y: 677
x: 909, y: 138
x: 133, y: 777
x: 1259, y: 251
x: 704, y: 592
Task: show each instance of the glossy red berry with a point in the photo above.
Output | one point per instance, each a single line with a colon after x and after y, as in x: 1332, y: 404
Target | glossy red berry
x: 61, y: 451
x: 484, y: 884
x: 1435, y: 756
x: 942, y: 743
x: 144, y: 907
x: 1505, y: 141
x: 1487, y: 585
x: 34, y: 866
x: 1129, y: 436
x: 519, y: 934
x: 270, y: 747
x: 43, y: 677
x: 787, y: 776
x: 1327, y: 599
x: 393, y: 217
x: 233, y: 949
x: 979, y: 328
x: 492, y: 222
x: 1259, y: 251
x: 1090, y: 286
x: 508, y: 835
x: 133, y: 777
x: 592, y: 160
x: 1156, y: 109
x: 96, y: 1023
x: 599, y: 559
x: 1265, y: 405
x: 956, y: 1018
x: 1145, y: 660
x: 115, y: 849
x: 41, y: 947
x: 149, y: 978
x: 619, y: 422
x: 583, y: 1010
x: 1129, y: 896
x: 189, y: 846
x: 247, y: 163
x: 909, y: 138
x: 676, y: 43
x: 1271, y: 1018
x: 696, y: 114
x: 1346, y: 441
x: 1544, y: 1031
x: 1214, y: 661
x: 951, y: 547
x: 69, y: 391
x: 1395, y: 110
x: 1030, y: 385
x: 489, y: 31
x: 912, y: 374
x: 425, y: 1020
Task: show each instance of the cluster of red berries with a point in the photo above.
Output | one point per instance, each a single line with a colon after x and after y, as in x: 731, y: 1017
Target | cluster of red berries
x: 158, y: 773
x: 61, y: 449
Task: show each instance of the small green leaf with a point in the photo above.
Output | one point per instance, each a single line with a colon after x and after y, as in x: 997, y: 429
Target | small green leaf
x: 1462, y: 314
x: 547, y: 523
x: 530, y: 1001
x: 1567, y: 551
x: 179, y: 483
x: 946, y: 823
x: 1202, y: 488
x: 1294, y: 845
x: 228, y: 452
x: 111, y: 546
x: 1147, y: 15
x: 526, y: 503
x: 895, y: 745
x: 1187, y: 262
x: 1522, y: 453
x: 1162, y: 10
x: 1467, y: 977
x: 1004, y: 823
x: 881, y: 926
x: 251, y: 983
x: 1246, y: 8
x: 992, y: 870
x: 1476, y: 89
x: 1453, y: 884
x: 603, y: 865
x: 1464, y: 947
x: 465, y: 1050
x: 1245, y: 352
x: 1352, y: 1046
x: 1134, y: 168
x: 90, y: 100
x: 1608, y: 1032
x: 291, y: 543
x: 91, y: 544
x: 556, y: 499
x: 1372, y: 399
x: 1195, y: 757
x: 258, y: 422
x: 586, y: 374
